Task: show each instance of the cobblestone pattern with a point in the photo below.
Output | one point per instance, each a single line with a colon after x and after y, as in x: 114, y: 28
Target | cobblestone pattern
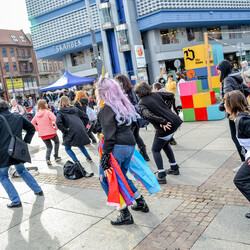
x: 200, y: 205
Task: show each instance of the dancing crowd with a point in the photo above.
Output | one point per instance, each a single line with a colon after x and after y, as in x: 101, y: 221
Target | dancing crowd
x: 121, y: 111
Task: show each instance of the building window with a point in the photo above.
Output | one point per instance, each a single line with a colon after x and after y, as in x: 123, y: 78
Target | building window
x: 25, y: 68
x: 52, y: 78
x: 12, y: 52
x: 45, y: 67
x: 31, y: 67
x: 169, y: 36
x: 4, y: 52
x: 14, y: 38
x: 61, y: 65
x: 233, y: 32
x: 22, y: 39
x: 50, y: 67
x: 56, y: 67
x: 16, y: 52
x: 28, y: 53
x: 14, y: 66
x: 190, y: 34
x: 22, y: 53
x: 40, y: 67
x: 214, y: 32
x: 7, y: 67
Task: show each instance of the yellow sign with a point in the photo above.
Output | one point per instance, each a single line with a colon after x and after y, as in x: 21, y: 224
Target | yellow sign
x: 195, y: 56
x: 17, y: 83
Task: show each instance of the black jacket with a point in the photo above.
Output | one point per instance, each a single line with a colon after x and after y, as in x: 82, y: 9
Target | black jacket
x: 232, y: 82
x: 153, y: 108
x: 17, y: 124
x: 114, y: 134
x: 72, y: 121
x: 83, y: 107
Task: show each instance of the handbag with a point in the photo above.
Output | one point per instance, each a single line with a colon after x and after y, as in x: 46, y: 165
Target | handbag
x: 17, y: 149
x: 72, y: 171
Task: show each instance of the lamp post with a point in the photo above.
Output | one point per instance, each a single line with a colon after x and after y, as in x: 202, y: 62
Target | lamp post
x: 13, y: 88
x: 98, y: 60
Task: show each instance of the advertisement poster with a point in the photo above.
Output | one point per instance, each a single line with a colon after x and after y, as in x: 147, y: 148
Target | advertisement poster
x: 140, y: 56
x: 17, y: 82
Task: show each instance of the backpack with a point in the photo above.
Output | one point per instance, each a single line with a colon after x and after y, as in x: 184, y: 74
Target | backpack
x: 72, y: 171
x: 91, y: 114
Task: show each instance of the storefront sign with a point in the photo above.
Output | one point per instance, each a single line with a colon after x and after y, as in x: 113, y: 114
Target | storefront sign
x: 140, y: 56
x: 17, y: 83
x: 195, y: 56
x: 69, y: 45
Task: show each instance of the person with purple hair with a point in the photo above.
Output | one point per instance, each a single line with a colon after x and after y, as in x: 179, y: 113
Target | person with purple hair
x: 116, y: 118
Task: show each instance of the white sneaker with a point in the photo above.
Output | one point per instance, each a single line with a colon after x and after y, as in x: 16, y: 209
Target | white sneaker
x: 235, y: 170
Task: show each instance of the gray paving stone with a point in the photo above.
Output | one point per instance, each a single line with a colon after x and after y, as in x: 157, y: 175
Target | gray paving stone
x: 215, y: 244
x: 53, y: 194
x: 222, y: 144
x: 230, y: 225
x: 50, y: 229
x: 160, y: 209
x: 104, y: 236
x: 12, y: 217
x: 88, y: 202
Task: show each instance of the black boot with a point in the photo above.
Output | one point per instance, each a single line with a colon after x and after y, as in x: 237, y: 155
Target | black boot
x: 141, y: 205
x: 125, y: 218
x: 83, y: 171
x: 143, y: 152
x: 162, y: 178
x: 174, y: 170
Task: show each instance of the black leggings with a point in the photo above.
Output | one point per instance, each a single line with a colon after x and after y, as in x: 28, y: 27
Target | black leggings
x: 138, y: 139
x: 49, y: 147
x: 240, y: 149
x: 158, y: 145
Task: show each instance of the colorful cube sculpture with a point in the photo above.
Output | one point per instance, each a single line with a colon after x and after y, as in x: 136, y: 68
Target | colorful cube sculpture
x: 199, y: 86
x: 188, y: 88
x: 187, y: 102
x: 216, y: 81
x: 205, y: 86
x: 202, y: 100
x: 189, y: 115
x: 201, y: 114
x: 213, y: 113
x: 217, y: 90
x: 213, y: 98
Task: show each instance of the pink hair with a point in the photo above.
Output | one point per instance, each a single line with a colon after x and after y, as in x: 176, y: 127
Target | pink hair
x: 110, y: 92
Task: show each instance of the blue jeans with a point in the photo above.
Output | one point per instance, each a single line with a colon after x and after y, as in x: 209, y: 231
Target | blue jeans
x: 123, y: 155
x: 72, y: 154
x: 9, y: 187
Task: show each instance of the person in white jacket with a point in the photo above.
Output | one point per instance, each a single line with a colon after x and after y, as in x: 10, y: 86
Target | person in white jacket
x: 16, y: 108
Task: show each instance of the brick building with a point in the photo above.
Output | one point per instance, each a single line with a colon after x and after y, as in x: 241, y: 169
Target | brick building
x: 18, y: 66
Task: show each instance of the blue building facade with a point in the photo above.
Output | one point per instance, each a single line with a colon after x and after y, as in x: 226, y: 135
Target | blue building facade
x: 60, y: 31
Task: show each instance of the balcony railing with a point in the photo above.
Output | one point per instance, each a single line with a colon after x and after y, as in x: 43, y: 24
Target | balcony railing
x: 23, y: 58
x: 26, y: 71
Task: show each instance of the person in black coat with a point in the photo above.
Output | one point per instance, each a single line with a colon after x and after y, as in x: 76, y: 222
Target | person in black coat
x: 17, y: 123
x: 127, y: 87
x: 72, y: 121
x: 153, y: 108
x: 81, y: 102
x: 231, y: 81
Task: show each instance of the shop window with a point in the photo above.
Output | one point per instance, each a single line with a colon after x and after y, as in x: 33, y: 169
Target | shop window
x: 234, y: 32
x: 12, y: 52
x: 169, y: 36
x: 7, y: 67
x: 190, y: 34
x: 214, y: 32
x: 14, y: 66
x: 30, y: 83
x: 77, y: 58
x: 4, y: 52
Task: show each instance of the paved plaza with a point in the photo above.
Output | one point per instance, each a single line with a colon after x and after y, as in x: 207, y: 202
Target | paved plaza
x: 199, y: 209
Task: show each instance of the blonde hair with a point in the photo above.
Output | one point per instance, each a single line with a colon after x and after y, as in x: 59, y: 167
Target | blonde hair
x: 64, y: 102
x: 79, y: 95
x: 41, y: 104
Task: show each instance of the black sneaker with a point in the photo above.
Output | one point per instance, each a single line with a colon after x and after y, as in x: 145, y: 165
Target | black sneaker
x: 14, y: 205
x: 125, y: 218
x: 173, y: 170
x: 140, y: 205
x: 40, y: 193
x: 162, y: 178
x: 89, y: 159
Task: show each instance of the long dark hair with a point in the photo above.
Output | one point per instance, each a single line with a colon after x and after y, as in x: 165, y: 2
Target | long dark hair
x: 124, y: 82
x: 225, y: 67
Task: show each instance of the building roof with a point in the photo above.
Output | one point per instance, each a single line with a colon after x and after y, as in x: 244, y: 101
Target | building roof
x: 14, y: 37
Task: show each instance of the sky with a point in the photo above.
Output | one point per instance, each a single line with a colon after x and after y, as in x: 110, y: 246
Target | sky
x: 14, y: 15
